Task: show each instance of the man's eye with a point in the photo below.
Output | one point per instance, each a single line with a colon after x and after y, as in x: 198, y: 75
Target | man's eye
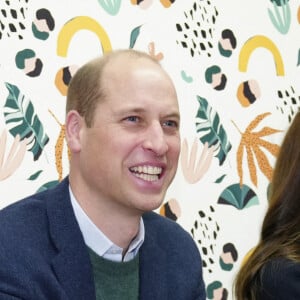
x: 132, y: 119
x: 171, y: 123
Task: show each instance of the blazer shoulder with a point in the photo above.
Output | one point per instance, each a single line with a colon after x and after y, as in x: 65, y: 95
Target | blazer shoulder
x: 171, y: 232
x: 28, y: 216
x: 154, y: 220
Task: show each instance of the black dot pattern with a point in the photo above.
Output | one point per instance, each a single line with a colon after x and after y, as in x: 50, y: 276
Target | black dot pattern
x: 196, y: 30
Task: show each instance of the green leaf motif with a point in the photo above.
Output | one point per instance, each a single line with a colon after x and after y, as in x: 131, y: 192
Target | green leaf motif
x: 211, y: 131
x: 281, y: 17
x: 47, y: 186
x: 238, y: 196
x: 220, y: 179
x: 134, y: 35
x: 35, y: 175
x: 19, y: 114
x: 112, y: 7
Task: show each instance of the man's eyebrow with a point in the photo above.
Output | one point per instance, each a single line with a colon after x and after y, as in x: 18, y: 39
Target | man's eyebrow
x: 175, y: 115
x: 131, y: 110
x: 140, y: 110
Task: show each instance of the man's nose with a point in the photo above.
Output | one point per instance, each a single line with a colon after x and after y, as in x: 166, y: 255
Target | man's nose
x: 155, y: 139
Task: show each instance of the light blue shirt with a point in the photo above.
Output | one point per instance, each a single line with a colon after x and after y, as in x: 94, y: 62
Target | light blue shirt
x: 99, y: 242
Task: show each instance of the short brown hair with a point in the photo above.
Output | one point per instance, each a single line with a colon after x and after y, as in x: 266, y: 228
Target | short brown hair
x: 85, y: 89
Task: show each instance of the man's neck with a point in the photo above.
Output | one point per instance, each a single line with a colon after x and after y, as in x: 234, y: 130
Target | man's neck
x: 119, y: 224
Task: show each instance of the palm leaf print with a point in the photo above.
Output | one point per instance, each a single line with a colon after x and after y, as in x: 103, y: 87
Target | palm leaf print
x: 251, y: 144
x: 211, y: 130
x: 59, y: 147
x: 19, y: 114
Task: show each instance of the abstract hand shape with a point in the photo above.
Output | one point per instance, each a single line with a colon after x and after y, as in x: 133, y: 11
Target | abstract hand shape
x: 14, y: 157
x: 193, y: 169
x: 151, y: 48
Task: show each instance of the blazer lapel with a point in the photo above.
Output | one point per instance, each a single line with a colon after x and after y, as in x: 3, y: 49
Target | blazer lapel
x: 153, y: 279
x: 72, y: 264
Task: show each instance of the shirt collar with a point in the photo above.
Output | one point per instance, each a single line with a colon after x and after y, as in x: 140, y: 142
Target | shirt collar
x: 99, y: 242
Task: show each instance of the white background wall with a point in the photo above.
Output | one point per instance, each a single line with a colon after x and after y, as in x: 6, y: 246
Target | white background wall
x: 222, y: 223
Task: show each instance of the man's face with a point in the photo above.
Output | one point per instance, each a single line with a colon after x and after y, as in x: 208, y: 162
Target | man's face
x: 129, y: 156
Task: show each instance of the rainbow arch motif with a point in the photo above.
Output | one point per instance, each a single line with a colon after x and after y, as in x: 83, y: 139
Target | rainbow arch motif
x: 80, y: 23
x: 256, y: 42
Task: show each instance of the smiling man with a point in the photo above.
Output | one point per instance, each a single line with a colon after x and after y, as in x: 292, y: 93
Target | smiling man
x: 95, y: 235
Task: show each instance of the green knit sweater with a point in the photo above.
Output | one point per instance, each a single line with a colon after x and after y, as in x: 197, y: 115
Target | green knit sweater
x: 115, y: 280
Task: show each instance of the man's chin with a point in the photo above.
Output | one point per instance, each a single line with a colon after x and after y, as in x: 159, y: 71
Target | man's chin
x: 151, y: 206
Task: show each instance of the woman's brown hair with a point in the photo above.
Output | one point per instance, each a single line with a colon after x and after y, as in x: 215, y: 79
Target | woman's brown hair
x: 280, y: 233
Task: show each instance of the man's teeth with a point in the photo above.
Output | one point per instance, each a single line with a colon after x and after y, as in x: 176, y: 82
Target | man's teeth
x: 147, y: 173
x: 146, y: 177
x: 147, y: 170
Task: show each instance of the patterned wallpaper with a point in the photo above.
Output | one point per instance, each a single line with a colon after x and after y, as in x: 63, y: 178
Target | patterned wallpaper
x: 235, y: 65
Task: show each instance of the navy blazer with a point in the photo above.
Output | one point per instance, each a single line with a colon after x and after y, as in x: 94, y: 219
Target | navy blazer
x: 43, y: 254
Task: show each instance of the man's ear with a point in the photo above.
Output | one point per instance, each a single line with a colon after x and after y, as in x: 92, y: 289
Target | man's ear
x: 74, y: 124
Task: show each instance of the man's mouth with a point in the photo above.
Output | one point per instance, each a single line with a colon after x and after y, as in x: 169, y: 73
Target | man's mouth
x: 147, y: 173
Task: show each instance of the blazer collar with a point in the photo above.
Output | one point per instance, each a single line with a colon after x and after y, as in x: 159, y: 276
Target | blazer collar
x: 153, y: 275
x: 72, y: 263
